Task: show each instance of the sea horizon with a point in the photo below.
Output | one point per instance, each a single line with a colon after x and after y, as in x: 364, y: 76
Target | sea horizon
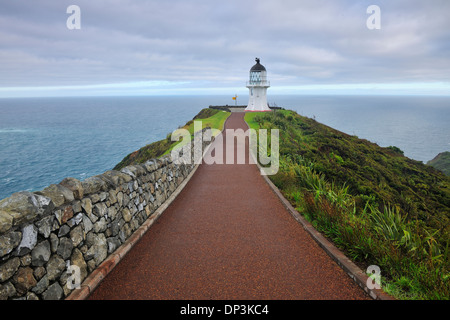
x: 46, y: 139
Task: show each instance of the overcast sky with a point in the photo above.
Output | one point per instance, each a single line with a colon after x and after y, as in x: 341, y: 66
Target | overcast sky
x: 208, y: 47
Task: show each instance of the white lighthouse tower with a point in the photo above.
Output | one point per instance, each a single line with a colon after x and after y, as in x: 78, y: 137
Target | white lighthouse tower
x: 257, y: 86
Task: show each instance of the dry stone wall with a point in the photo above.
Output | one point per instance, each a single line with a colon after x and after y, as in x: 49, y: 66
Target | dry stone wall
x: 77, y: 223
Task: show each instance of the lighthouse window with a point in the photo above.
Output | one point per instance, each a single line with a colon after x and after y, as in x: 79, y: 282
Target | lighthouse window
x: 255, y: 77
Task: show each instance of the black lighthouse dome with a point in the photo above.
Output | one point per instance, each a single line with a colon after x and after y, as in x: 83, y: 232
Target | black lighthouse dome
x: 258, y: 67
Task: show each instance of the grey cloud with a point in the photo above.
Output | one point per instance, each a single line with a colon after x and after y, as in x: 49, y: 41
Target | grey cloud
x: 214, y: 42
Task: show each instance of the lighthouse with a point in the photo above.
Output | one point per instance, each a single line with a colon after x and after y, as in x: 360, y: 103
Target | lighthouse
x: 257, y: 86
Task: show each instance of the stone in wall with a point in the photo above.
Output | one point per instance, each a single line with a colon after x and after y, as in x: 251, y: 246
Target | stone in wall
x: 40, y: 254
x: 9, y: 241
x: 29, y: 240
x: 23, y: 207
x: 75, y: 186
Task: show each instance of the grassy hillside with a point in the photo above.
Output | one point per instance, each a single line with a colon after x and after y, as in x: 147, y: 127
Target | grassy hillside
x: 378, y: 206
x: 441, y: 162
x: 214, y: 119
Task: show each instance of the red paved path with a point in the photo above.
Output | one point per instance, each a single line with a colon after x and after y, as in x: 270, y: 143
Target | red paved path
x: 227, y: 236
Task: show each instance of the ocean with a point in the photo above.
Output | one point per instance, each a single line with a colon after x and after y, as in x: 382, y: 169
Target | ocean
x: 44, y: 140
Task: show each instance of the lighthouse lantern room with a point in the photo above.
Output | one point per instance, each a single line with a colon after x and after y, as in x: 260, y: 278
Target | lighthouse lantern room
x: 257, y: 86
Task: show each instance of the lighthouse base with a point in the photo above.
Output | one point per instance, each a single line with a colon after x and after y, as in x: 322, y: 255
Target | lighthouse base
x: 257, y: 100
x: 260, y: 108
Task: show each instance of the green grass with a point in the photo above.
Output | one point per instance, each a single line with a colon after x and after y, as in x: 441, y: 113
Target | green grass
x: 214, y: 119
x: 250, y: 119
x: 378, y: 206
x: 441, y: 162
